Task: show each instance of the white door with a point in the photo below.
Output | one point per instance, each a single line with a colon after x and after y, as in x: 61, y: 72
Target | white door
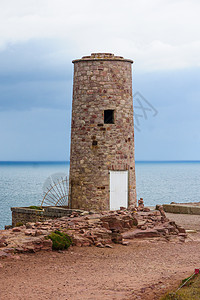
x: 118, y: 189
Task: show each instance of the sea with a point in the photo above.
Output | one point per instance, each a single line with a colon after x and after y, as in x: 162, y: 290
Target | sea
x: 22, y: 183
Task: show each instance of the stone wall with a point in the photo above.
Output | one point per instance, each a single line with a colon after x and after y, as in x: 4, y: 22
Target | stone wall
x: 101, y: 82
x: 24, y: 214
x: 181, y: 209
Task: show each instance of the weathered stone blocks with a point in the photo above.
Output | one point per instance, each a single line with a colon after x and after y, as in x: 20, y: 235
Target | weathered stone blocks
x: 102, y: 82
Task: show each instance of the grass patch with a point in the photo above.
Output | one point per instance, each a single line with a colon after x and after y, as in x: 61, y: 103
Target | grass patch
x: 60, y: 240
x: 35, y: 207
x: 18, y: 224
x: 190, y: 291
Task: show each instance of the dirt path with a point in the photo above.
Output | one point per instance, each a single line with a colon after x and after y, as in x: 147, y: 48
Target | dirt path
x: 187, y: 221
x: 142, y: 270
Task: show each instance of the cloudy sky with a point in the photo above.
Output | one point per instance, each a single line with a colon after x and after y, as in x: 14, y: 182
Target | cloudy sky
x: 40, y: 38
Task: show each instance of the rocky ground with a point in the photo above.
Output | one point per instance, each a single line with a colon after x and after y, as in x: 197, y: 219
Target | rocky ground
x: 151, y: 256
x: 86, y: 229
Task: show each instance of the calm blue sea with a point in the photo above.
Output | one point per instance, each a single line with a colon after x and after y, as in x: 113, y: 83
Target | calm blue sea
x: 21, y: 183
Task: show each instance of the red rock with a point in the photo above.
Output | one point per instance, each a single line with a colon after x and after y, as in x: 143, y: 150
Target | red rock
x: 78, y: 219
x: 37, y: 245
x: 39, y: 232
x: 141, y: 223
x: 94, y: 216
x: 182, y: 239
x: 100, y: 245
x: 3, y: 254
x: 38, y: 223
x: 145, y: 214
x: 108, y: 246
x: 46, y: 245
x: 162, y: 230
x: 103, y: 228
x: 125, y: 243
x: 127, y: 224
x: 144, y: 227
x: 183, y: 234
x: 132, y: 208
x: 44, y: 228
x: 123, y: 213
x: 16, y: 257
x: 81, y: 241
x: 28, y: 225
x: 149, y: 221
x: 3, y: 238
x: 122, y: 208
x: 9, y: 250
x: 16, y: 229
x: 116, y: 238
x: 19, y: 250
x: 150, y: 226
x: 30, y: 249
x: 105, y: 225
x: 140, y: 234
x: 28, y: 232
x: 160, y: 208
x: 113, y: 221
x: 156, y: 213
x: 181, y: 229
x: 57, y: 225
x: 146, y: 209
x: 171, y: 228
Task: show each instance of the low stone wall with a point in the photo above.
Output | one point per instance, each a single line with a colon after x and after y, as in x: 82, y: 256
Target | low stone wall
x: 25, y: 214
x: 181, y: 209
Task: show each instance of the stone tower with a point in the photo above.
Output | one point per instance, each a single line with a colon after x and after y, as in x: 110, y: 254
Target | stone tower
x: 102, y: 164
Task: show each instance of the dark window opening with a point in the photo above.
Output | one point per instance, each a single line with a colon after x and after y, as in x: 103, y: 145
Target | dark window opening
x: 101, y: 187
x: 94, y: 143
x: 109, y: 116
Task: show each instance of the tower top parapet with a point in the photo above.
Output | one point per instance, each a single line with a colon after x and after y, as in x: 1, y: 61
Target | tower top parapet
x: 102, y: 56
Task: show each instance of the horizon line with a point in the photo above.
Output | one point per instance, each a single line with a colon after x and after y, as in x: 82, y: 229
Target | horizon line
x: 68, y: 161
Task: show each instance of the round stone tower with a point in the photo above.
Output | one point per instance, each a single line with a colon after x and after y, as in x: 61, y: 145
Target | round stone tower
x: 102, y: 164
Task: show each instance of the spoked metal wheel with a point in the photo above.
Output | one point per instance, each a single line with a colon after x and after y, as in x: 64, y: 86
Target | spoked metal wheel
x: 56, y: 190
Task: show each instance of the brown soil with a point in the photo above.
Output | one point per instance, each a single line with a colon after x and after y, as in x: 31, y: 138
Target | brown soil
x: 143, y: 270
x: 187, y: 221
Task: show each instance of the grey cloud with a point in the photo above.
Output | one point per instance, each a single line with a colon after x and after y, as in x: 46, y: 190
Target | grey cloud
x: 29, y: 78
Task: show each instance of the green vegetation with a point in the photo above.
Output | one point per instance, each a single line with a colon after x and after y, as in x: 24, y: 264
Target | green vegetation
x: 60, y: 240
x: 190, y: 291
x: 18, y: 224
x: 36, y: 207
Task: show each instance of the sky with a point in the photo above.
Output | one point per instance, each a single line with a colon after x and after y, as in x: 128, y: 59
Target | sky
x: 40, y: 38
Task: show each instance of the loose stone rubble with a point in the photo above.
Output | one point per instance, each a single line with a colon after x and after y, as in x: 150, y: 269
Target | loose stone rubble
x: 87, y: 229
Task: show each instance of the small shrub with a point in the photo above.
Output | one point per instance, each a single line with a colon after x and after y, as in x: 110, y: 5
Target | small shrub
x: 171, y: 296
x: 190, y: 282
x: 35, y: 207
x: 190, y: 291
x: 18, y: 224
x: 60, y: 240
